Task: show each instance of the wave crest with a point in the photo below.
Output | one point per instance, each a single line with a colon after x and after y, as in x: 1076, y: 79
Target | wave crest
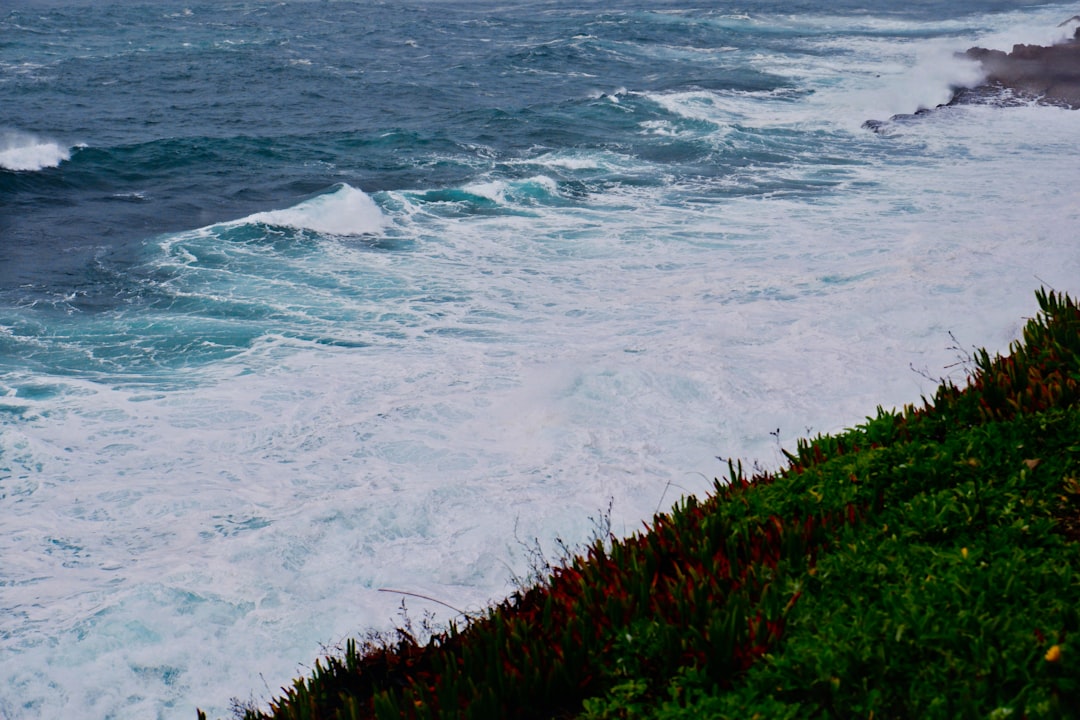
x: 345, y: 211
x: 22, y: 151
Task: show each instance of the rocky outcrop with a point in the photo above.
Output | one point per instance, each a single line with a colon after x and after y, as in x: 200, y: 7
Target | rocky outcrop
x: 1047, y: 74
x: 1050, y: 74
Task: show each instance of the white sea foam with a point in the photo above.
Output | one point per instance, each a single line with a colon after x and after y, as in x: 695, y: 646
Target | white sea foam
x: 22, y: 151
x: 260, y: 515
x: 502, y: 192
x: 345, y: 211
x: 695, y: 104
x: 494, y: 190
x: 571, y: 162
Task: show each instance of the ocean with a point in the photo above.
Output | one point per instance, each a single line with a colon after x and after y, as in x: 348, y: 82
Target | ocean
x: 306, y: 305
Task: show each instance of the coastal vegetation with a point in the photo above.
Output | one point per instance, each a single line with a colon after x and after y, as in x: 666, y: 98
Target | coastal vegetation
x: 921, y: 564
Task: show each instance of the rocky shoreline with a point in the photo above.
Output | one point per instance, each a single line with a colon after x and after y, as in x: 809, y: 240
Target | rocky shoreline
x: 1049, y: 74
x: 1044, y: 74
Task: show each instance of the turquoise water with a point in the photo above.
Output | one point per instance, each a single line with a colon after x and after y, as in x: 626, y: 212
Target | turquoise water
x: 305, y: 301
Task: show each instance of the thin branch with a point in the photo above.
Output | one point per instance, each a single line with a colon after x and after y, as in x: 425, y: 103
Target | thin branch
x: 424, y: 597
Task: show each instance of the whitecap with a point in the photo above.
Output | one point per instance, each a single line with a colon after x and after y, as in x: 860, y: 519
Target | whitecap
x: 345, y: 211
x: 21, y: 151
x: 567, y: 161
x: 494, y: 190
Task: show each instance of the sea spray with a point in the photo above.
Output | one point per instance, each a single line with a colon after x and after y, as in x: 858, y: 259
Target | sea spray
x: 23, y: 151
x: 344, y: 211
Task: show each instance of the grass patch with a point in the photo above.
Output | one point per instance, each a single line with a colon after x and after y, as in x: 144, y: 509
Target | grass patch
x: 921, y: 564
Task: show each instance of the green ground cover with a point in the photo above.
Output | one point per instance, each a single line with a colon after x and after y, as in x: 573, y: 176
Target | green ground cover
x: 920, y: 565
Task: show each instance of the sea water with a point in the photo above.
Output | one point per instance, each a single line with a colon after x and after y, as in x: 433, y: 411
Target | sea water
x: 306, y: 302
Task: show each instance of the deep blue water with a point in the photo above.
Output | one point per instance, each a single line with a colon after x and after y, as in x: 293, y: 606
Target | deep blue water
x: 282, y: 278
x: 197, y: 113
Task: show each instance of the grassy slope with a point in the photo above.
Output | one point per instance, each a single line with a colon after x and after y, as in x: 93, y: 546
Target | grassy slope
x: 920, y: 565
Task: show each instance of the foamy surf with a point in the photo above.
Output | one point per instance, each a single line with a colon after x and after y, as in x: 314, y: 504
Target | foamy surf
x: 555, y: 299
x: 22, y: 152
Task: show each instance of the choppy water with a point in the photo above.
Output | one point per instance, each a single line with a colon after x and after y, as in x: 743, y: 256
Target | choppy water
x: 304, y: 300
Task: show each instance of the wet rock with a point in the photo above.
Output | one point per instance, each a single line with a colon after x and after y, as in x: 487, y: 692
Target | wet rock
x: 1029, y: 73
x: 883, y: 127
x: 1049, y: 74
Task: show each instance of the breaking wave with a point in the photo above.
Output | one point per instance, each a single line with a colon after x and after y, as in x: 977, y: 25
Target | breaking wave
x: 345, y: 211
x: 21, y: 151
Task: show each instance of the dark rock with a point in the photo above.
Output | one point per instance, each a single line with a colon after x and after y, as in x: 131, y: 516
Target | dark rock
x: 1030, y: 73
x: 1049, y: 74
x: 883, y: 127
